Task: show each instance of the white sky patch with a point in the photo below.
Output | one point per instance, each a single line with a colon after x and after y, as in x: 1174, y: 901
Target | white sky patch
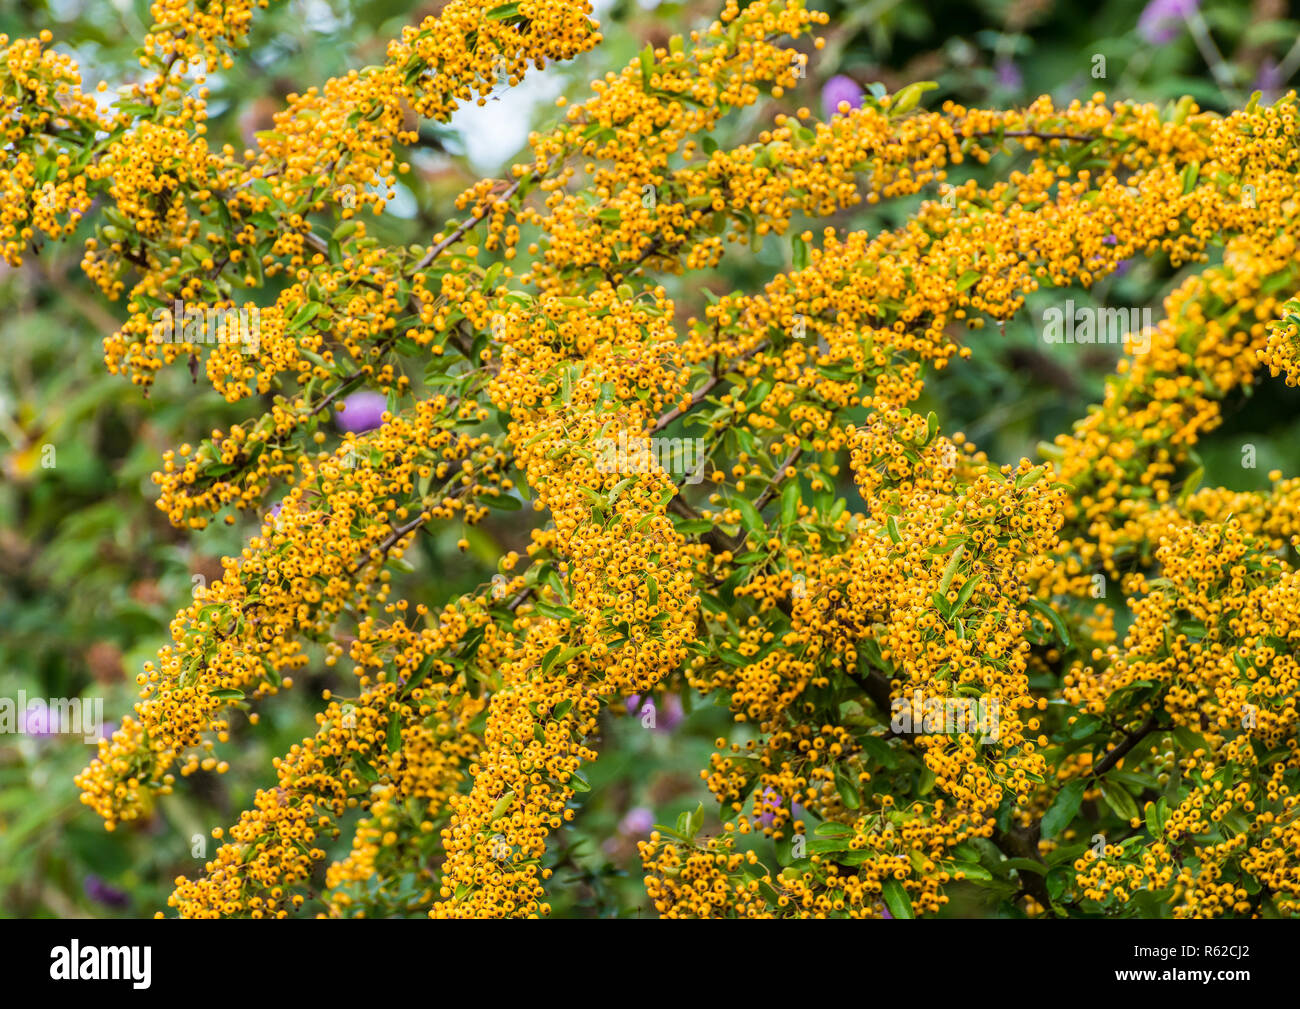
x: 65, y: 10
x: 318, y: 16
x: 494, y: 133
x: 403, y: 203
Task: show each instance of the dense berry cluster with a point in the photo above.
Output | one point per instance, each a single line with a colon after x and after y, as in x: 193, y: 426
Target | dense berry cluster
x: 550, y: 320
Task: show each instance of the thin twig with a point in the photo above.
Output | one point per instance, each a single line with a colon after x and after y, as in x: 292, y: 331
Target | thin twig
x: 471, y: 222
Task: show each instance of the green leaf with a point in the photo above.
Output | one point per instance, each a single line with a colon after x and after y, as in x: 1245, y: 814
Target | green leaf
x: 549, y: 658
x: 1190, y: 485
x: 906, y: 100
x: 1066, y: 853
x: 689, y: 824
x: 503, y: 502
x: 880, y: 751
x: 1052, y: 618
x: 394, y: 732
x: 272, y: 674
x: 950, y: 569
x: 560, y: 658
x: 896, y: 899
x: 555, y: 612
x: 799, y: 253
x: 790, y: 498
x: 623, y: 485
x: 304, y: 315
x: 1119, y: 800
x: 824, y: 846
x: 964, y: 594
x: 226, y: 694
x: 1025, y: 865
x: 973, y: 870
x: 1063, y: 809
x: 502, y: 805
x: 1190, y: 740
x: 366, y: 772
x: 750, y: 517
x: 1152, y: 814
x: 848, y: 791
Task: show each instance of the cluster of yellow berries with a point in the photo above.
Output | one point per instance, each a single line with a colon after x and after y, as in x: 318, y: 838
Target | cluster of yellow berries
x: 320, y: 553
x: 48, y: 122
x: 928, y: 682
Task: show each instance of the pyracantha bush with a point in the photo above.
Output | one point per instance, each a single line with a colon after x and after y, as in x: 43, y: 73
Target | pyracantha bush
x: 831, y: 563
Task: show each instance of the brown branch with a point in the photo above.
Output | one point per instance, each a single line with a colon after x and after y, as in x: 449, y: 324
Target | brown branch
x: 1129, y: 741
x: 1032, y: 135
x: 877, y: 687
x: 389, y: 542
x: 777, y: 478
x: 1024, y: 844
x: 470, y: 222
x: 699, y: 395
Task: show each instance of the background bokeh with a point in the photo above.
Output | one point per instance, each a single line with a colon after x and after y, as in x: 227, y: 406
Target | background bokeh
x: 91, y: 573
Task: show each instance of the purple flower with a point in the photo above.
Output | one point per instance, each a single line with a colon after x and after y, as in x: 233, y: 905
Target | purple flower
x: 637, y: 822
x: 670, y: 713
x: 1008, y: 75
x: 666, y: 716
x: 1269, y: 80
x: 362, y: 411
x: 1110, y: 240
x: 37, y: 721
x: 768, y: 803
x: 840, y: 89
x: 1162, y: 21
x: 102, y: 893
